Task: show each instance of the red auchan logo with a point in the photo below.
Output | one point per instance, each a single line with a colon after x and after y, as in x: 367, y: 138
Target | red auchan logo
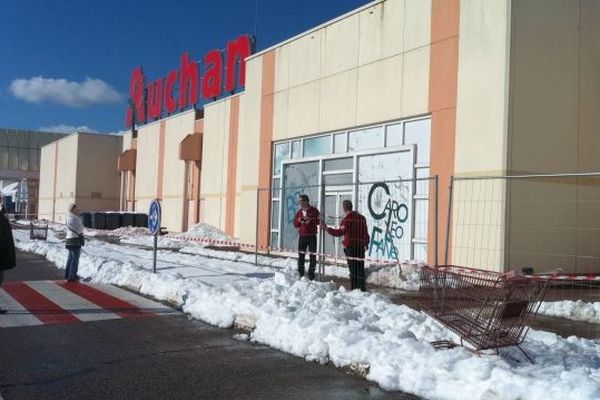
x: 180, y: 88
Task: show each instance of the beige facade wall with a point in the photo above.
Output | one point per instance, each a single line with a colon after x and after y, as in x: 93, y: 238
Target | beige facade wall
x: 173, y: 200
x: 97, y: 177
x: 481, y: 133
x: 367, y: 67
x: 47, y: 179
x: 127, y: 141
x: 66, y: 175
x: 146, y: 167
x: 213, y: 181
x: 248, y: 152
x: 167, y: 182
x: 553, y: 129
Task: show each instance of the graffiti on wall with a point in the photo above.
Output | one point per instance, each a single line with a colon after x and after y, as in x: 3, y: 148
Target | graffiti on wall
x: 291, y: 205
x: 392, y: 215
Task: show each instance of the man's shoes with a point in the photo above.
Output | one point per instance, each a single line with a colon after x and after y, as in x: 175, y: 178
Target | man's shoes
x: 73, y: 280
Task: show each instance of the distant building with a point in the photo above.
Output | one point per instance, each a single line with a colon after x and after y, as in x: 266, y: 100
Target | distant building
x: 81, y: 169
x: 20, y: 168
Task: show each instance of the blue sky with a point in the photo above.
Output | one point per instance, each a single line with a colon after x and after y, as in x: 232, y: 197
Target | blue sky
x: 68, y: 63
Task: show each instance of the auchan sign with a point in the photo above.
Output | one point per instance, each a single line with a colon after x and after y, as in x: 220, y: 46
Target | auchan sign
x: 182, y: 88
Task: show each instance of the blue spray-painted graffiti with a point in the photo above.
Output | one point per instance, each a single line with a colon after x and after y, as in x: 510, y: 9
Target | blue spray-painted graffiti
x: 393, y: 215
x: 291, y: 205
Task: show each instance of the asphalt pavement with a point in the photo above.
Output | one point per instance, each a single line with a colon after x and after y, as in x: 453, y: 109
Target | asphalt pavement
x: 162, y: 357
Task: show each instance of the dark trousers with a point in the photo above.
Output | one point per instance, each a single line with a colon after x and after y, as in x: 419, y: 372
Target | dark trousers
x: 356, y: 267
x: 307, y: 242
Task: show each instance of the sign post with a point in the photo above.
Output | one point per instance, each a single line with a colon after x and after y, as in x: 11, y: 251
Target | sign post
x: 154, y: 216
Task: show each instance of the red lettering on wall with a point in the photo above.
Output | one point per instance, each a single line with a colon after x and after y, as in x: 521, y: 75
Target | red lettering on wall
x: 136, y: 94
x: 170, y: 103
x: 180, y: 88
x: 237, y: 51
x: 211, y: 82
x: 155, y: 95
x: 188, y: 81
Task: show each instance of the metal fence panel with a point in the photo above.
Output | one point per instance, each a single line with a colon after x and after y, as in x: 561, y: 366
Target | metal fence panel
x: 544, y: 222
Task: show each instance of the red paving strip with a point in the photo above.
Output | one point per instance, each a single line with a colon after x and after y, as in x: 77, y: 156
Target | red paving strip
x: 105, y: 300
x: 43, y: 309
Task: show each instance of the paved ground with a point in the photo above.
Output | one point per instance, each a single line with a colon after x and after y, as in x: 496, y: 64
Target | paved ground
x: 163, y: 357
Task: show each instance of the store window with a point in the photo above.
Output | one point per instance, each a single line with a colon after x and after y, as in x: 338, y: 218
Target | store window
x: 418, y: 132
x: 375, y: 167
x: 340, y: 143
x: 282, y: 153
x: 338, y: 179
x: 394, y: 135
x: 296, y: 149
x: 337, y: 164
x: 275, y: 214
x: 317, y: 146
x: 370, y: 138
x: 299, y: 178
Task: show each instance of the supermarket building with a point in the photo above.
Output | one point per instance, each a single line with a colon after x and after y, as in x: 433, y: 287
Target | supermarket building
x: 393, y: 91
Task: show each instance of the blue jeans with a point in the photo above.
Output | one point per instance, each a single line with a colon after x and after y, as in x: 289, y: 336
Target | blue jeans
x: 72, y: 263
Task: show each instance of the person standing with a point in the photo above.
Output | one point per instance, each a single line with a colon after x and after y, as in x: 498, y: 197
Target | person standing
x: 74, y: 242
x: 7, y: 246
x: 306, y: 221
x: 356, y: 240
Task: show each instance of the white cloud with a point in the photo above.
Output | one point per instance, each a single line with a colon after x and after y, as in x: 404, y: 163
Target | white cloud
x: 62, y: 128
x: 61, y: 91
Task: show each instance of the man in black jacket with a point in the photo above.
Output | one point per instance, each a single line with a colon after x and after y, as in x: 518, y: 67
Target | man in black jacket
x: 7, y: 246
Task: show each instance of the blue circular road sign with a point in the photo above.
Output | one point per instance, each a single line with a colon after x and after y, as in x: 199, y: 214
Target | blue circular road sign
x: 154, y: 215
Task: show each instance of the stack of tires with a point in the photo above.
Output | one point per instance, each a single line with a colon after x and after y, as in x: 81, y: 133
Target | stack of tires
x: 141, y: 220
x: 87, y: 219
x: 128, y: 219
x: 113, y: 220
x: 99, y: 220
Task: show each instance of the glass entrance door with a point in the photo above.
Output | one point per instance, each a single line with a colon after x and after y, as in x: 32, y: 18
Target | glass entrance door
x: 333, y: 213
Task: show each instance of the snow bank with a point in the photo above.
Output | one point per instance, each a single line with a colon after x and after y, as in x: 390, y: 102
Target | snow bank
x: 206, y: 231
x: 575, y: 310
x: 405, y: 276
x: 198, y: 231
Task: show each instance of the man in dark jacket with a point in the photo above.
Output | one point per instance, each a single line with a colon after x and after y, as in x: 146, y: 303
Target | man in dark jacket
x: 355, y: 242
x: 306, y: 221
x: 7, y: 246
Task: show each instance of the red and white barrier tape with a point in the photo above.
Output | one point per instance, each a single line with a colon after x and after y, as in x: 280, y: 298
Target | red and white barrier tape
x: 276, y: 249
x: 378, y: 261
x: 567, y: 277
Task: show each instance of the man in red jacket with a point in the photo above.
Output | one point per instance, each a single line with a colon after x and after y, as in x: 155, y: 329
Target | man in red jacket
x: 355, y: 242
x: 306, y: 221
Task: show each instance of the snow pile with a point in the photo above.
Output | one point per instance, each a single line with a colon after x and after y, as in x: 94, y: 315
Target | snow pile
x: 198, y: 231
x: 130, y: 231
x: 575, y: 310
x: 206, y: 231
x: 163, y: 242
x: 405, y: 276
x: 319, y: 322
